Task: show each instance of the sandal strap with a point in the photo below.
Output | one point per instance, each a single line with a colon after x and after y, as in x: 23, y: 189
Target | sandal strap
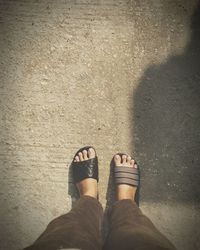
x: 126, y: 175
x: 85, y: 169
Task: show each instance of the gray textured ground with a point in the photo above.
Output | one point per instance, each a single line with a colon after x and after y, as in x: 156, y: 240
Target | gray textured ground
x: 119, y: 75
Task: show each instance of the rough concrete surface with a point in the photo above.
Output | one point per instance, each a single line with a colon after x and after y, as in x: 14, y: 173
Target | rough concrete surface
x: 119, y: 75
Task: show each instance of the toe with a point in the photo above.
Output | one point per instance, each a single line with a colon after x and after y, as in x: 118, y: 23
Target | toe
x: 91, y: 153
x: 80, y: 156
x: 85, y: 156
x: 77, y: 158
x: 124, y: 158
x: 117, y: 160
x: 129, y: 159
x: 135, y: 165
x: 132, y: 163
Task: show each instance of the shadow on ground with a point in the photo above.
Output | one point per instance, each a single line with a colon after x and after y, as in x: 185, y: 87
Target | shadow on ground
x: 72, y: 190
x: 166, y: 131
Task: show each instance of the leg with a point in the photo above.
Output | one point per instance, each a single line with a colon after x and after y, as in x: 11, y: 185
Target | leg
x: 129, y: 228
x: 80, y: 228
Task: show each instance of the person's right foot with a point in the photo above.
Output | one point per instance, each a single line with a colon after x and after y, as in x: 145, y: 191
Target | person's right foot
x: 125, y: 191
x: 87, y: 186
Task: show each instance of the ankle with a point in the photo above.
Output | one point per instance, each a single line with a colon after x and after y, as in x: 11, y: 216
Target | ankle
x: 120, y: 197
x: 124, y: 192
x: 88, y: 187
x: 91, y: 194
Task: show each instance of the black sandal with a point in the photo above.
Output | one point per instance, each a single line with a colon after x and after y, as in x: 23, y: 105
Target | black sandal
x: 85, y: 169
x: 129, y: 176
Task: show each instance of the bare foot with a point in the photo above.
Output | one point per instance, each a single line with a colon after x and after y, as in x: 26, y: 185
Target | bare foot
x: 87, y: 186
x: 125, y: 191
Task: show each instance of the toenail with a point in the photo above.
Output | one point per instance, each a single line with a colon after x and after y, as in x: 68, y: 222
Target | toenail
x: 116, y: 156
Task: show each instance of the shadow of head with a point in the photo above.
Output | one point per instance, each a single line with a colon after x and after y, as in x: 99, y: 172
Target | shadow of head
x: 166, y: 108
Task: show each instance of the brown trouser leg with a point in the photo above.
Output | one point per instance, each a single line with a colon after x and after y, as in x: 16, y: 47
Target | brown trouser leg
x: 80, y: 228
x: 131, y: 230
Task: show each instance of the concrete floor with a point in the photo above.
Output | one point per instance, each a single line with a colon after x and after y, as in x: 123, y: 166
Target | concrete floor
x: 119, y: 75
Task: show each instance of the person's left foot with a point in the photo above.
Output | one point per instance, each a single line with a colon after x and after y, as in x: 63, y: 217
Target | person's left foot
x: 125, y: 191
x: 87, y: 186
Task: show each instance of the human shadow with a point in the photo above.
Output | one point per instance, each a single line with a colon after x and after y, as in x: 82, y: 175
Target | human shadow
x: 72, y: 190
x: 110, y: 199
x: 166, y: 128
